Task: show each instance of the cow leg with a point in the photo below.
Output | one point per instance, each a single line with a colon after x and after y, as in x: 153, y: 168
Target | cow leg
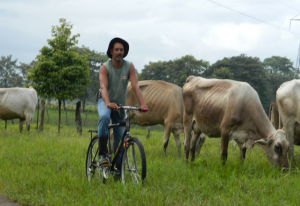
x: 200, y: 143
x: 177, y: 141
x: 168, y: 128
x: 289, y: 130
x: 148, y: 132
x: 224, y: 146
x: 187, y: 123
x: 21, y: 125
x: 195, y: 137
x: 242, y: 154
x: 28, y: 125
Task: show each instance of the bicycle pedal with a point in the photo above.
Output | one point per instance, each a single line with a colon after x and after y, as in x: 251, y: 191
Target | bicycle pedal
x: 104, y: 164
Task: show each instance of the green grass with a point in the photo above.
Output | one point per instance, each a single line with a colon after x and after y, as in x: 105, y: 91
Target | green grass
x: 49, y: 169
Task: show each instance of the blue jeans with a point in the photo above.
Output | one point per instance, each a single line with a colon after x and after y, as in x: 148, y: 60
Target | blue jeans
x: 105, y: 115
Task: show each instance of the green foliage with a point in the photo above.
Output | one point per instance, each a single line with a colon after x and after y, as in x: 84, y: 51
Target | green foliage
x: 222, y: 73
x: 8, y: 73
x: 280, y: 70
x: 95, y: 60
x: 175, y: 71
x: 247, y: 69
x: 23, y: 69
x: 59, y: 71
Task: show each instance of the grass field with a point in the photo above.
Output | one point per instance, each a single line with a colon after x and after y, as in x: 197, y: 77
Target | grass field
x: 49, y: 169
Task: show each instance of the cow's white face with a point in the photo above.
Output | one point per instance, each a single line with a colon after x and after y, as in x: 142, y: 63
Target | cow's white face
x: 276, y: 149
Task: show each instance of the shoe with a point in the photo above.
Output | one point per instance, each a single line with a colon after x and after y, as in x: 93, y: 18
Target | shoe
x: 117, y: 175
x: 103, y: 160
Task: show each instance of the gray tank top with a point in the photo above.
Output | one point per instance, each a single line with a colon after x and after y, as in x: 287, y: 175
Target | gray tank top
x: 117, y: 82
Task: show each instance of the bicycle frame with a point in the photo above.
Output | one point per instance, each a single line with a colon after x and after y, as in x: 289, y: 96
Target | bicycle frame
x: 121, y: 143
x: 124, y: 136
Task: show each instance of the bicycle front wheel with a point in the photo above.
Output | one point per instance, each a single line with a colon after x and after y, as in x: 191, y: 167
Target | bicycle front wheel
x: 93, y: 170
x: 133, y: 162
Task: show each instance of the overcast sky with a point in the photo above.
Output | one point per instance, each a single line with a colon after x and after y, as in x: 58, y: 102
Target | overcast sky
x: 157, y: 30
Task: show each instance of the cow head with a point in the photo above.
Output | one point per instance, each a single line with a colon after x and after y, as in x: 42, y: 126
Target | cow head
x: 276, y: 148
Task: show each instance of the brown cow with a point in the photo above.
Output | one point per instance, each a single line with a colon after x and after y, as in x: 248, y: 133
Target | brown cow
x: 164, y: 101
x: 230, y: 110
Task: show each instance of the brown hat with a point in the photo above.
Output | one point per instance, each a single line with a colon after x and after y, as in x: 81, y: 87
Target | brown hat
x: 118, y: 40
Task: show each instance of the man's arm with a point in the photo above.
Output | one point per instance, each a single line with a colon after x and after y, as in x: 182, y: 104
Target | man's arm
x: 103, y: 87
x: 136, y: 88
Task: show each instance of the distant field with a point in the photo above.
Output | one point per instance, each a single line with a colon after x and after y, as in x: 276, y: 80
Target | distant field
x: 49, y: 169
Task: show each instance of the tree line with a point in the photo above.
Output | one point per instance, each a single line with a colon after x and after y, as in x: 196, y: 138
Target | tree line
x: 264, y: 76
x: 62, y: 70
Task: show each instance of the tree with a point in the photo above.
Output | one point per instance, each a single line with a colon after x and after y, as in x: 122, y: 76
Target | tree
x: 187, y: 66
x: 155, y: 71
x: 280, y: 69
x: 8, y: 75
x: 176, y: 71
x: 95, y: 60
x: 59, y: 71
x: 247, y: 69
x: 23, y: 69
x: 222, y: 73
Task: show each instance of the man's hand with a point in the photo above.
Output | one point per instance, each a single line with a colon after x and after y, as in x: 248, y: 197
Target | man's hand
x: 144, y: 106
x: 112, y: 106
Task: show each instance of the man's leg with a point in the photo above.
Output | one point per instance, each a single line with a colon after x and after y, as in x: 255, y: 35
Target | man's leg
x: 104, y: 114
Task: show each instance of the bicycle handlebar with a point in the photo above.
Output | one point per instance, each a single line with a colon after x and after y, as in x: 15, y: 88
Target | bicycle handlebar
x: 132, y: 108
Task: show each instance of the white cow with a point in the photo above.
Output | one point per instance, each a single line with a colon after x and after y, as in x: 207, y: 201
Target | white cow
x: 230, y: 110
x: 288, y: 102
x: 18, y: 103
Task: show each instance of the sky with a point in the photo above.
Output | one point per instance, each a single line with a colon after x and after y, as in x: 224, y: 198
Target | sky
x: 157, y: 30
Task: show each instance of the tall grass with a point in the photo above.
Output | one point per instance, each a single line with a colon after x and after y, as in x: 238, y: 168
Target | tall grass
x: 49, y: 169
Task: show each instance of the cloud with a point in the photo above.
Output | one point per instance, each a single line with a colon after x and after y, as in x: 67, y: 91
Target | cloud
x: 156, y: 30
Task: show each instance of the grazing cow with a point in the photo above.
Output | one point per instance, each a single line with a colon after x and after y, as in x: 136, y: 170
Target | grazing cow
x: 288, y: 101
x: 164, y: 101
x: 18, y: 103
x: 230, y: 110
x: 277, y: 123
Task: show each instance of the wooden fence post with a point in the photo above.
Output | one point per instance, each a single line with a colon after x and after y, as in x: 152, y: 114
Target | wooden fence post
x: 41, y: 127
x: 37, y: 116
x: 47, y: 115
x: 78, y: 118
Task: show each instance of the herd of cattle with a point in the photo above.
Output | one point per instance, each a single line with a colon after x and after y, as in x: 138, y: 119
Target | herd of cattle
x: 217, y: 108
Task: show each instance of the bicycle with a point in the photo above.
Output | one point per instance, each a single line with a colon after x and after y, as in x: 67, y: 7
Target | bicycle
x: 133, y: 165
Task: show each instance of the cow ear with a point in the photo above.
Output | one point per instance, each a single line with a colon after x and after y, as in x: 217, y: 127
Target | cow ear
x: 189, y: 79
x: 262, y: 142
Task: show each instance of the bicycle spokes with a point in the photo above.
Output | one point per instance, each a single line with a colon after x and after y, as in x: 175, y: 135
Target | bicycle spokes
x: 134, y: 162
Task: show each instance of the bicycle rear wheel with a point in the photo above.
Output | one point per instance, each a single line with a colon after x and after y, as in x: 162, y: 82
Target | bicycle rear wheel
x: 133, y: 162
x: 93, y: 170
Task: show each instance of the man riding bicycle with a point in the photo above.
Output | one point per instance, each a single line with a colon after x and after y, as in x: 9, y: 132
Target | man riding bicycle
x: 113, y: 77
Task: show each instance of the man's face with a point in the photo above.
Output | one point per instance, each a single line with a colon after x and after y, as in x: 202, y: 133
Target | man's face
x: 117, y: 52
